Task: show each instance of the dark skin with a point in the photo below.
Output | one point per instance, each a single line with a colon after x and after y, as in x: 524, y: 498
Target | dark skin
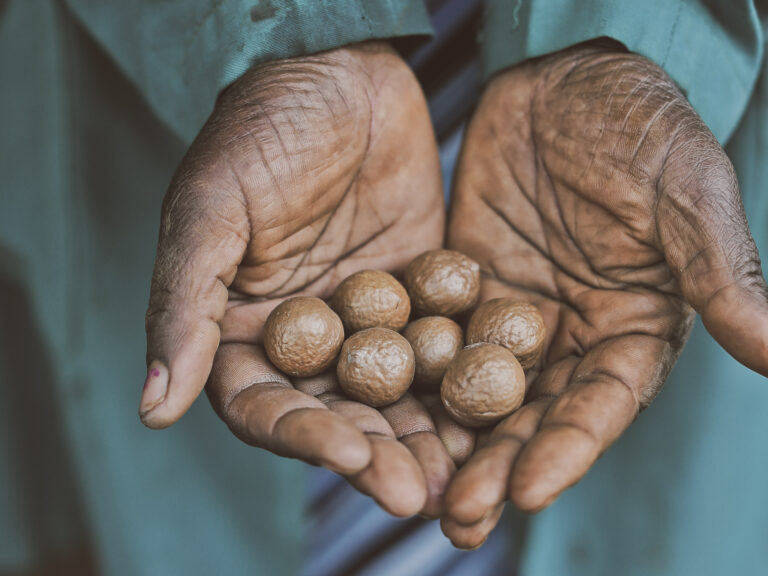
x: 589, y: 186
x: 287, y: 190
x: 586, y: 185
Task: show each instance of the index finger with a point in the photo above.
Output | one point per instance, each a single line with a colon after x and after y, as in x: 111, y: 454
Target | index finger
x: 607, y: 390
x: 262, y: 408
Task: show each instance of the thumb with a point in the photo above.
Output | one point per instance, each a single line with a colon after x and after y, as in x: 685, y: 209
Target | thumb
x: 203, y: 235
x: 707, y: 243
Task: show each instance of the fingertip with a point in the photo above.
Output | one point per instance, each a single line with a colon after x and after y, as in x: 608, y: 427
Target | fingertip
x: 530, y: 498
x: 471, y: 536
x: 554, y: 460
x: 410, y: 502
x: 161, y: 416
x: 153, y: 395
x: 464, y: 510
x: 482, y: 483
x: 172, y: 387
x: 352, y: 456
x: 407, y: 506
x: 320, y: 436
x: 393, y: 478
x: 177, y: 401
x: 738, y: 320
x: 464, y: 542
x: 461, y: 503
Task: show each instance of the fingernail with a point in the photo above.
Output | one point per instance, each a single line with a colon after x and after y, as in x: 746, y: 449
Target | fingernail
x: 155, y: 387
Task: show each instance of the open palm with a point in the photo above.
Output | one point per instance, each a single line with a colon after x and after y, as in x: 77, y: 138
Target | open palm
x: 308, y: 170
x: 589, y: 186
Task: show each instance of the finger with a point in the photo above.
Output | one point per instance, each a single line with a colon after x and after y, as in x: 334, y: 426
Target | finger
x: 706, y: 240
x: 203, y: 235
x: 469, y: 537
x: 263, y: 409
x: 413, y: 427
x: 482, y: 437
x: 393, y: 478
x: 366, y: 419
x: 607, y: 390
x: 458, y: 440
x: 316, y: 385
x: 481, y: 484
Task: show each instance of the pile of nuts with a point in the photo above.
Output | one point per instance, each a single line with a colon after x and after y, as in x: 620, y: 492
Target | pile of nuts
x: 479, y: 383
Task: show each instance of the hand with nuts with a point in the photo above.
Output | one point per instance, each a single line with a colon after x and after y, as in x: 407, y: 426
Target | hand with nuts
x: 288, y: 190
x: 589, y: 187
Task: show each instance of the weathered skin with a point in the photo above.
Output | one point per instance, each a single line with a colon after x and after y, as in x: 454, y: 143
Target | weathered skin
x: 442, y: 283
x: 287, y: 190
x: 371, y: 298
x: 376, y: 366
x: 516, y: 325
x: 588, y: 186
x: 435, y: 341
x: 483, y: 384
x: 302, y: 336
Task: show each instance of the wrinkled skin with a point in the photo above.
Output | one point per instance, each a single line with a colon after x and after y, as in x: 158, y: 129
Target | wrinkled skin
x: 589, y: 186
x: 287, y: 190
x: 586, y: 185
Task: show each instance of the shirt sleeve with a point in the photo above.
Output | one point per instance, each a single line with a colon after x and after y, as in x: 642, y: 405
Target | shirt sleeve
x: 182, y: 53
x: 712, y: 49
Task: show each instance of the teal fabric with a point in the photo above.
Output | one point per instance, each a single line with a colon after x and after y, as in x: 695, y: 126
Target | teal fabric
x: 99, y: 101
x: 181, y: 53
x: 84, y: 166
x: 713, y: 49
x: 683, y: 491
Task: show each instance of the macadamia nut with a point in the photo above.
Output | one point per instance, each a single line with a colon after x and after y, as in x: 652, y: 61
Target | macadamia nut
x: 442, y: 283
x: 371, y: 298
x: 435, y: 341
x: 302, y: 336
x: 376, y: 366
x: 516, y: 325
x: 482, y: 385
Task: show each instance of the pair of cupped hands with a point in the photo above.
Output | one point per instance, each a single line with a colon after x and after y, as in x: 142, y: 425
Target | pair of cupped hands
x: 586, y: 185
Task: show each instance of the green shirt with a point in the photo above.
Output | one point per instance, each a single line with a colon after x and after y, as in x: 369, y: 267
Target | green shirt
x: 99, y: 100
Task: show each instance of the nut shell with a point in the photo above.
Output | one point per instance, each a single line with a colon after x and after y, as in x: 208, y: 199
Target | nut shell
x: 435, y: 341
x: 371, y: 298
x: 376, y: 366
x: 302, y: 336
x: 442, y: 283
x: 516, y: 325
x: 482, y: 385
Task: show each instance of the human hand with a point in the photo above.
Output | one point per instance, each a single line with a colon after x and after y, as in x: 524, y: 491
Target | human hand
x: 590, y: 187
x: 308, y: 170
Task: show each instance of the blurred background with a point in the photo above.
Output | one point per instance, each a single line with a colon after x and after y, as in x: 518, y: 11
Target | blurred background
x: 85, y: 489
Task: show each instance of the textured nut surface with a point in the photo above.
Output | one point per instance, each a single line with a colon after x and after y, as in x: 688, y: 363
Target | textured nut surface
x: 376, y: 366
x: 371, y: 298
x: 516, y: 325
x: 435, y: 341
x: 302, y: 336
x: 482, y: 385
x: 442, y: 283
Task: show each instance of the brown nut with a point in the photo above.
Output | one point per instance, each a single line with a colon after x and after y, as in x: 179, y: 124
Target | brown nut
x: 516, y: 325
x: 482, y: 385
x: 371, y: 298
x: 375, y: 366
x: 442, y: 283
x: 435, y: 341
x: 302, y: 336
